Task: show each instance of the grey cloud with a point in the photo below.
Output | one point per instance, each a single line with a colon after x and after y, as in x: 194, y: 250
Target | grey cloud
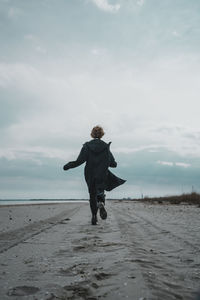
x: 15, y: 105
x: 139, y: 169
x: 143, y: 166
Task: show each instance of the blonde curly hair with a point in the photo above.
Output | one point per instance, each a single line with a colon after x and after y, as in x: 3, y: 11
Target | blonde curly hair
x: 97, y: 132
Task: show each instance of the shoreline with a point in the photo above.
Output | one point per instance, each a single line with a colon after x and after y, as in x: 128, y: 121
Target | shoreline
x: 190, y: 199
x: 42, y: 203
x: 142, y: 201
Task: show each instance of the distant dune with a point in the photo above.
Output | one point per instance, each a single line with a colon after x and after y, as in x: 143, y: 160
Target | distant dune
x: 192, y: 198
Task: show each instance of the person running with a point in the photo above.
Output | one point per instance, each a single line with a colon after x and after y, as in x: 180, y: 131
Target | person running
x: 98, y: 157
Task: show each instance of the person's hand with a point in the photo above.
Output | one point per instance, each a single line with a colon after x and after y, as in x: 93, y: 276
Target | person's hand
x: 66, y: 167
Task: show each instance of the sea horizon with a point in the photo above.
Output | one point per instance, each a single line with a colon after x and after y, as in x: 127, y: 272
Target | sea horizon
x: 38, y: 201
x: 44, y: 201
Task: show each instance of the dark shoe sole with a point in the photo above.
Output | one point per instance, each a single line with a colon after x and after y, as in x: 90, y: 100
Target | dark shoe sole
x: 103, y: 212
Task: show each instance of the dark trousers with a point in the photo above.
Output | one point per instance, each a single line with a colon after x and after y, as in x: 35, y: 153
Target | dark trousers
x: 96, y: 195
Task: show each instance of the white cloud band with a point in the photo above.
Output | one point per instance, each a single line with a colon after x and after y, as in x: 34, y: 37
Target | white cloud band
x: 105, y: 6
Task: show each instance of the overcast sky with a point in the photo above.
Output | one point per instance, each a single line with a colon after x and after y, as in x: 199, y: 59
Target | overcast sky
x: 132, y: 66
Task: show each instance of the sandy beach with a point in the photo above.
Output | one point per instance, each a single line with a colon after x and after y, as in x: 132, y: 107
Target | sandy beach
x: 142, y: 251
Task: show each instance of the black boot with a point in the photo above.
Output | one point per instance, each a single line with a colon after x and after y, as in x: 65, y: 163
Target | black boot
x: 94, y: 220
x: 102, y: 210
x: 101, y: 205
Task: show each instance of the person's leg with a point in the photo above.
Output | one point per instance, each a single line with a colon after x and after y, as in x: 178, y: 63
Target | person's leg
x: 93, y: 205
x: 101, y: 196
x: 101, y: 203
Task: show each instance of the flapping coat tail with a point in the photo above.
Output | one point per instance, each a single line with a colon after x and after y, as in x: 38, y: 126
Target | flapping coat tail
x: 112, y: 181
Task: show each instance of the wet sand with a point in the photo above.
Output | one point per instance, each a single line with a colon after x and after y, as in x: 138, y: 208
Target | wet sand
x: 142, y: 251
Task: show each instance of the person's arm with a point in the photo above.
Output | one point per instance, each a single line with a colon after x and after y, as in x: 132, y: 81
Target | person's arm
x: 79, y: 161
x: 112, y: 162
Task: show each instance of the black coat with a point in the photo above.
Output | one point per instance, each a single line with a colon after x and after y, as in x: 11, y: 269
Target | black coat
x: 98, y: 158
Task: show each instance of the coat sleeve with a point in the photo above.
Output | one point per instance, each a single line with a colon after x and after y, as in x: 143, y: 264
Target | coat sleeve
x: 79, y: 161
x: 112, y: 162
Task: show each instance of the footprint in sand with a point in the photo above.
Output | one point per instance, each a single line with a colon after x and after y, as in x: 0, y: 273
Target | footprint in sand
x: 87, y: 239
x: 78, y: 290
x: 81, y: 292
x: 102, y: 275
x: 72, y: 271
x: 23, y: 290
x: 79, y: 248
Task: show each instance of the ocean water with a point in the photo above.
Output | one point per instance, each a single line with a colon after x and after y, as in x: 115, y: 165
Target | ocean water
x: 39, y: 201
